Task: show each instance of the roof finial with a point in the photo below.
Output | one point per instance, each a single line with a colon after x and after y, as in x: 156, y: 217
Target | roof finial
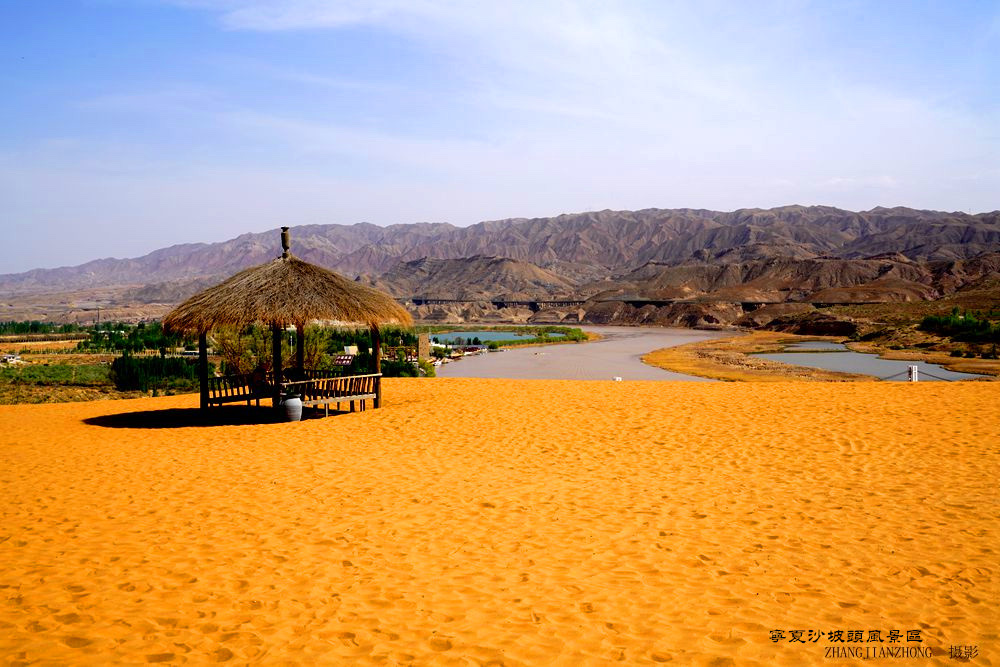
x: 285, y: 242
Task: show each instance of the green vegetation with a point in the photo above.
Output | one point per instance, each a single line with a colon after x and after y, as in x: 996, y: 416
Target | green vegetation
x: 401, y: 368
x: 123, y: 338
x: 36, y: 327
x: 965, y: 327
x: 43, y: 383
x: 539, y: 335
x: 392, y: 368
x: 172, y: 374
x: 48, y: 383
x: 240, y: 352
x: 79, y: 375
x: 107, y: 337
x: 243, y: 351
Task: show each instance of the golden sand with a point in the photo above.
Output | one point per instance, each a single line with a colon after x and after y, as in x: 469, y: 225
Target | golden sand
x: 522, y: 522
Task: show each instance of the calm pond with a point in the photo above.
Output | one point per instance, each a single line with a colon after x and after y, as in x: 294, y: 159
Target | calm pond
x: 836, y: 357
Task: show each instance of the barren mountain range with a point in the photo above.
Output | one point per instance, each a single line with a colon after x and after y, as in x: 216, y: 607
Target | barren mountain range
x: 792, y: 253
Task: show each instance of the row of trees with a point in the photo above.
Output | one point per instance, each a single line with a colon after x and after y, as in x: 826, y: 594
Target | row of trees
x: 36, y: 327
x: 131, y: 338
x: 543, y: 334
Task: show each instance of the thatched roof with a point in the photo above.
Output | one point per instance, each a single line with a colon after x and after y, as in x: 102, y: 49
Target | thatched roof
x: 283, y: 292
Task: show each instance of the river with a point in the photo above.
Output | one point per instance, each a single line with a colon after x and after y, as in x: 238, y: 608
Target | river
x: 617, y: 354
x: 836, y: 357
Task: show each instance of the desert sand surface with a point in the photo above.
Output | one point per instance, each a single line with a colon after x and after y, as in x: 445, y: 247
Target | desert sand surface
x: 506, y: 522
x: 618, y: 353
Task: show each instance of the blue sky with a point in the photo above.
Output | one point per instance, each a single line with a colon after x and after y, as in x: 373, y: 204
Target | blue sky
x: 128, y: 125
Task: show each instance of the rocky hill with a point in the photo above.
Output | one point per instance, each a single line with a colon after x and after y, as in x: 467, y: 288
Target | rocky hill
x: 474, y: 278
x: 784, y: 279
x: 791, y: 253
x: 607, y: 241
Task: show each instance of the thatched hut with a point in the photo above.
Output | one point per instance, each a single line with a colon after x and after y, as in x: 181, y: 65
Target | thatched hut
x: 281, y: 293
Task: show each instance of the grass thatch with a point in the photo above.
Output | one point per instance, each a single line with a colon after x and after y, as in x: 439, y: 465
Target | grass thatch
x: 283, y: 292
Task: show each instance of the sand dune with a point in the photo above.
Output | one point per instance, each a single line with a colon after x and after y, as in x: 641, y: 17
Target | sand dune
x: 514, y: 522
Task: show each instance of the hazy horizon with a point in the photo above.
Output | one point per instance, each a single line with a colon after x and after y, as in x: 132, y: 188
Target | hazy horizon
x: 132, y: 126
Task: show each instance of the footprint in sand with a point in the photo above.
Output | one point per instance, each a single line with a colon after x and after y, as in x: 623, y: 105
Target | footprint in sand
x: 160, y: 657
x: 440, y: 644
x: 77, y: 642
x: 68, y: 619
x: 347, y: 638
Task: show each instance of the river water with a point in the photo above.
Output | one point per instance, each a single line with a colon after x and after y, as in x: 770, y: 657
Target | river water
x: 836, y: 357
x: 618, y: 354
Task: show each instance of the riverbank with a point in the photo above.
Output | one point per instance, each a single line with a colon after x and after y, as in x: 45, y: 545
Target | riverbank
x: 734, y: 359
x: 989, y: 367
x: 730, y: 360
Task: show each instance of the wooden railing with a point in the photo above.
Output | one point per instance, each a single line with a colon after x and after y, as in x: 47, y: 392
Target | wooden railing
x: 315, y: 387
x: 325, y: 391
x: 235, y: 388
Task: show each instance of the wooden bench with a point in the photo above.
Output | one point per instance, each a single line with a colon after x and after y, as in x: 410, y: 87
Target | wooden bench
x: 325, y: 391
x: 237, y: 388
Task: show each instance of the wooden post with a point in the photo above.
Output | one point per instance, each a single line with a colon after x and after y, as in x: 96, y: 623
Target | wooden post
x: 377, y: 348
x: 276, y: 364
x: 203, y: 368
x: 377, y: 351
x: 300, y: 349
